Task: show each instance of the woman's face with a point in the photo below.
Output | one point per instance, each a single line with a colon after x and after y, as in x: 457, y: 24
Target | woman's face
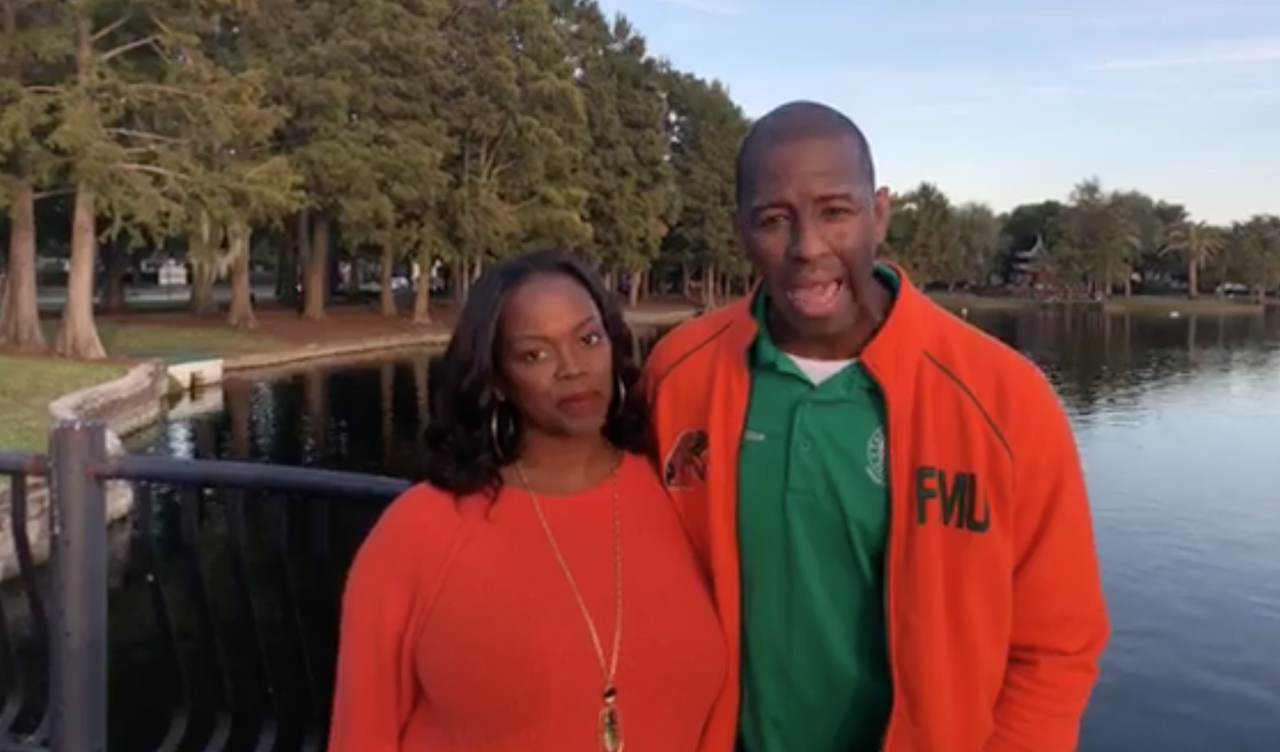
x: 555, y: 358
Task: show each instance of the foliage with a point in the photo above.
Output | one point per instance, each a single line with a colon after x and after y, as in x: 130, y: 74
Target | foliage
x: 454, y: 132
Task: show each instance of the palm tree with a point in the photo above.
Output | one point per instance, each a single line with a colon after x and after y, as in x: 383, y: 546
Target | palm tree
x: 1197, y: 243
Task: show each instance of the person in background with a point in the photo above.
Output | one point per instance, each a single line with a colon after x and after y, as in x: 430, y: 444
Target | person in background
x: 538, y: 591
x: 889, y: 500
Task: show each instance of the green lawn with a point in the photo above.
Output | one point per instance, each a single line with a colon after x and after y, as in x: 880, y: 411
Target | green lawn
x: 28, y: 385
x: 958, y: 300
x: 168, y: 341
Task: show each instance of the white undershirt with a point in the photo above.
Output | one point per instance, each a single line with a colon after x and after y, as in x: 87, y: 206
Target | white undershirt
x: 819, y: 371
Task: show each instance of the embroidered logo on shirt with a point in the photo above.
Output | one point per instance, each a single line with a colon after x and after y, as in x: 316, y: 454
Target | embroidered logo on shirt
x: 875, y: 456
x: 753, y: 436
x: 686, y: 463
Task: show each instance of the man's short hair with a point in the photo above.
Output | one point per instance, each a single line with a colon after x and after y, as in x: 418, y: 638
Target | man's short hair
x: 795, y: 121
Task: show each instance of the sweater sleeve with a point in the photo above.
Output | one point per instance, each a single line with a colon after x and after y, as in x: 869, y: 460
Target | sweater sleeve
x: 1060, y: 624
x: 388, y: 591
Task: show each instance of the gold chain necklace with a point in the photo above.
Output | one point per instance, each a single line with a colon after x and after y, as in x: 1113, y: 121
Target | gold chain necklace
x: 609, y: 722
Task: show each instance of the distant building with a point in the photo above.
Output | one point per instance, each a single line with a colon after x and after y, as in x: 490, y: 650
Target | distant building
x: 1029, y: 266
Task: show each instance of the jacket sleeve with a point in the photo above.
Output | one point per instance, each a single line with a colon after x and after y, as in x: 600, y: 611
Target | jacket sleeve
x: 375, y: 689
x: 1060, y: 624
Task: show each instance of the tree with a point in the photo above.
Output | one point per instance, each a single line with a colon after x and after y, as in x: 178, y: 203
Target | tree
x: 448, y: 134
x: 629, y: 177
x: 977, y: 254
x: 705, y: 128
x: 925, y: 236
x: 29, y: 51
x: 1196, y: 243
x: 1255, y: 244
x: 141, y: 109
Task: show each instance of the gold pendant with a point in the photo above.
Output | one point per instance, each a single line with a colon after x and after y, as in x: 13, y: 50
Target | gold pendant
x: 610, y: 724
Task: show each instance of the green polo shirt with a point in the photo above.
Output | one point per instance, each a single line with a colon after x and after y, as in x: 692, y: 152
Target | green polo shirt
x: 813, y: 515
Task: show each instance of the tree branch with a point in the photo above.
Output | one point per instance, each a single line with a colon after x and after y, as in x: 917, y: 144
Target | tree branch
x: 135, y: 44
x: 151, y: 170
x: 106, y: 31
x: 53, y: 193
x: 142, y: 135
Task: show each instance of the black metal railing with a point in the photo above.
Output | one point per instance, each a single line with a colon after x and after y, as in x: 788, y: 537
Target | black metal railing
x: 213, y: 626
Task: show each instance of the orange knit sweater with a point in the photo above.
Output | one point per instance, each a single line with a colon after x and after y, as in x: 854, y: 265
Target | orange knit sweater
x: 460, y: 633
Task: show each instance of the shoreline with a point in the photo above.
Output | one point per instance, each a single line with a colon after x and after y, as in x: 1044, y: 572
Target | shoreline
x: 1140, y: 305
x: 126, y: 405
x: 362, y: 350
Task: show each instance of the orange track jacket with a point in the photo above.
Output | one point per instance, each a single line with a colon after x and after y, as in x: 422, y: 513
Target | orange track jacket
x: 996, y: 618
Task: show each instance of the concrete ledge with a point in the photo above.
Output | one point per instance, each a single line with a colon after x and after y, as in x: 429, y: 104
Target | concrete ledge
x: 379, y: 346
x: 194, y: 374
x: 340, y: 351
x: 128, y: 404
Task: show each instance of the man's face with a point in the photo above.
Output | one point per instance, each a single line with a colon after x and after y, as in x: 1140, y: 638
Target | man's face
x: 811, y: 226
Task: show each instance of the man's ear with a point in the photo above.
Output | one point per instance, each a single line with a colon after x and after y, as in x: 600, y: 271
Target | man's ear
x: 882, y: 211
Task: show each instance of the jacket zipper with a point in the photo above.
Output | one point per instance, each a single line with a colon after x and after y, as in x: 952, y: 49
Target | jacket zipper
x: 889, y: 574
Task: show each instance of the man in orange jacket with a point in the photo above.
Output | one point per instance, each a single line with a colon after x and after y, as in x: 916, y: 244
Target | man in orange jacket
x: 889, y: 501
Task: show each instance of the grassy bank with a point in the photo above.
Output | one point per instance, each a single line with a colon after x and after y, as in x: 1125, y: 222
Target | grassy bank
x: 139, y: 340
x: 1208, y: 306
x: 1154, y: 305
x: 29, y: 384
x: 963, y: 301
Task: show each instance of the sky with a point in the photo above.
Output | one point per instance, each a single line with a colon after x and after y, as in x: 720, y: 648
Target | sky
x: 1013, y: 101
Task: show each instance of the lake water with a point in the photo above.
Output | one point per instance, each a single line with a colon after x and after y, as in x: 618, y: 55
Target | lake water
x: 1178, y: 421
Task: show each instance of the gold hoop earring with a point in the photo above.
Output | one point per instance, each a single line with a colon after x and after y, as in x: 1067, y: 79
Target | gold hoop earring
x: 622, y: 397
x: 495, y: 437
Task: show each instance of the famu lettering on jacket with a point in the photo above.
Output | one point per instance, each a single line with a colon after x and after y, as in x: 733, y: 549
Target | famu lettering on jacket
x: 955, y: 495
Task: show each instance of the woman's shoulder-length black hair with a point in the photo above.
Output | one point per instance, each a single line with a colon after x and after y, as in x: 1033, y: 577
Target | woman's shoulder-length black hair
x: 460, y: 456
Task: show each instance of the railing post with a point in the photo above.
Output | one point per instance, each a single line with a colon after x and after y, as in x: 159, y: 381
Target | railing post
x: 78, y: 556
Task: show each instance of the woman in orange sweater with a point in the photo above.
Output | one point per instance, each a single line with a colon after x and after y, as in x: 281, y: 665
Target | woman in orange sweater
x: 538, y: 592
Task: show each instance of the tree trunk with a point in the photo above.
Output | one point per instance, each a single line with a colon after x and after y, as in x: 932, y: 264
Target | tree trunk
x: 422, y: 294
x: 1193, y: 277
x: 633, y: 293
x: 468, y: 271
x: 240, y: 314
x: 115, y: 262
x: 19, y: 306
x: 287, y: 256
x: 78, y: 332
x: 202, y: 278
x: 709, y: 285
x: 386, y: 296
x: 316, y: 291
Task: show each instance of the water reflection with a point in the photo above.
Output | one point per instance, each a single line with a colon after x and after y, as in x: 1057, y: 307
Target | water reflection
x: 1107, y: 363
x: 1178, y: 420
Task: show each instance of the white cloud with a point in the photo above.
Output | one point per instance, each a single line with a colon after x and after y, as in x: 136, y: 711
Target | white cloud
x: 933, y: 109
x: 1245, y: 96
x: 1249, y: 53
x: 711, y: 7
